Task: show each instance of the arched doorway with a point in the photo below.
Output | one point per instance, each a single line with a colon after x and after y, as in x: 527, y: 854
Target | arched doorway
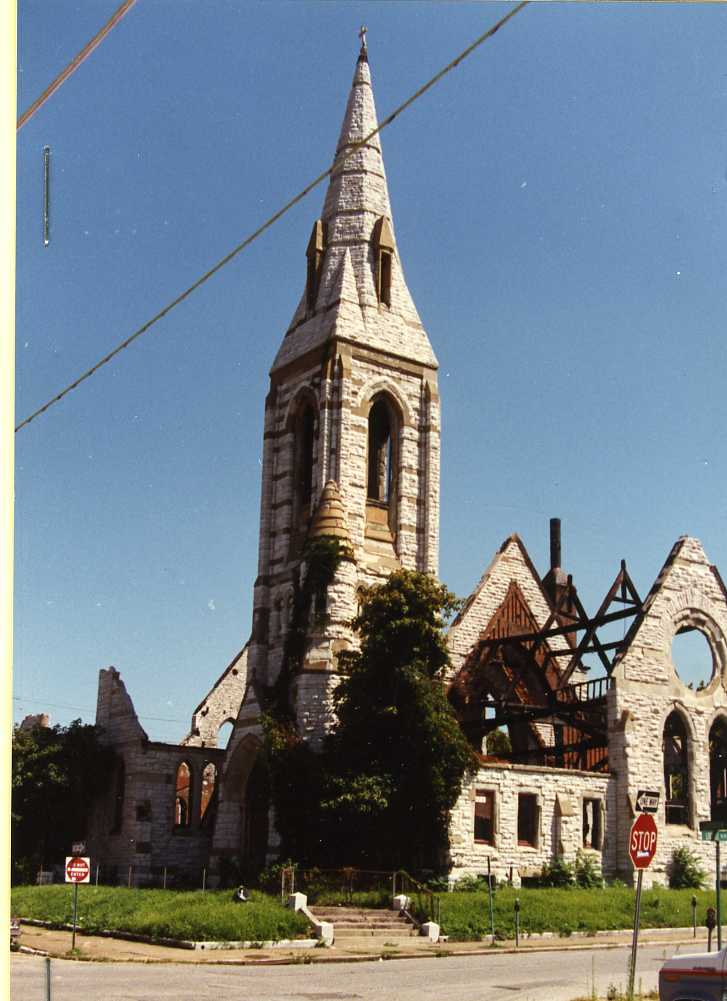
x: 255, y: 807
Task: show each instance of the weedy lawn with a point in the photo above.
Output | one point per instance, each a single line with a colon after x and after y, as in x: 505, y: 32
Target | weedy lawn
x: 211, y: 915
x: 465, y: 916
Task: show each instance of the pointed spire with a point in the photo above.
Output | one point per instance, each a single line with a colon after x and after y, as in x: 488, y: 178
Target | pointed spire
x: 358, y: 223
x: 330, y: 516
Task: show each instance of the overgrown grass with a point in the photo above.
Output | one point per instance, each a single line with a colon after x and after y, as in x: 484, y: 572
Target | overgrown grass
x: 195, y: 915
x: 466, y: 917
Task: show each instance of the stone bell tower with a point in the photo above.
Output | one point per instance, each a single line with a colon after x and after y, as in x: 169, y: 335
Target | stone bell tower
x: 351, y: 448
x: 352, y: 416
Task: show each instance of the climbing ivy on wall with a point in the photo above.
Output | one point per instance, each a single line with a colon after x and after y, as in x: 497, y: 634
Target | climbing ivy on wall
x: 295, y: 770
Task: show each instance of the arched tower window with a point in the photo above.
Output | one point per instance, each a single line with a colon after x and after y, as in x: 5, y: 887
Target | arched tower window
x: 183, y: 796
x: 315, y: 253
x: 718, y: 769
x: 381, y: 452
x: 676, y: 769
x: 305, y: 433
x: 383, y: 244
x: 208, y: 794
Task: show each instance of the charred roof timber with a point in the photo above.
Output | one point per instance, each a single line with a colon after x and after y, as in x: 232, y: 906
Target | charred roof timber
x: 521, y: 677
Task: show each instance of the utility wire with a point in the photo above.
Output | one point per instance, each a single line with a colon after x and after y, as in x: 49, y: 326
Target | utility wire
x: 274, y: 218
x: 74, y: 63
x: 88, y: 709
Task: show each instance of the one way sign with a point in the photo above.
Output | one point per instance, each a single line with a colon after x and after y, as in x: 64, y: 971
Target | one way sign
x: 647, y: 801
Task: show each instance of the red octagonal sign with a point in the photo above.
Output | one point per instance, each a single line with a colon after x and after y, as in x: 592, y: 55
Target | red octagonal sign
x: 642, y: 841
x: 78, y: 869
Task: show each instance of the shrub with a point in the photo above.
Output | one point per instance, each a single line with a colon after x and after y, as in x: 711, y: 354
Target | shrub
x: 685, y: 872
x: 556, y: 873
x: 586, y: 871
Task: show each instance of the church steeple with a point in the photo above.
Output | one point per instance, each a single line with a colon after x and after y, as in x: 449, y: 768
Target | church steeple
x: 356, y: 214
x: 353, y: 409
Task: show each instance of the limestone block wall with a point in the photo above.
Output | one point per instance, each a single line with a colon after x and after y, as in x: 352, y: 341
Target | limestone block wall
x: 559, y: 793
x: 647, y: 689
x: 510, y: 563
x: 146, y: 838
x: 220, y: 705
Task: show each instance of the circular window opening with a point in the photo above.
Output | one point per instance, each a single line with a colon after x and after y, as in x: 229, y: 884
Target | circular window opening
x: 692, y: 658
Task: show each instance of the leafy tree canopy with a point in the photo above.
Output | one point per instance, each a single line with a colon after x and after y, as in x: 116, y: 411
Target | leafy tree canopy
x: 57, y: 773
x: 397, y: 755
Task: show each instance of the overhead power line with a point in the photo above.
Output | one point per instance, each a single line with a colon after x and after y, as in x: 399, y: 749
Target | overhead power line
x: 74, y: 63
x: 273, y: 218
x: 89, y: 709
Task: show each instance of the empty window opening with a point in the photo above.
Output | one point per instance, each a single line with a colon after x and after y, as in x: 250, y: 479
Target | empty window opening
x: 383, y: 246
x: 381, y: 453
x: 718, y: 770
x: 692, y: 658
x: 676, y: 770
x: 182, y: 796
x: 484, y: 816
x: 305, y: 439
x: 385, y: 264
x: 208, y: 794
x: 225, y: 732
x: 592, y: 831
x: 527, y: 819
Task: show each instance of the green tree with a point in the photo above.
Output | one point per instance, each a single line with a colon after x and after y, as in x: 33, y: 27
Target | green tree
x: 57, y: 773
x: 397, y: 755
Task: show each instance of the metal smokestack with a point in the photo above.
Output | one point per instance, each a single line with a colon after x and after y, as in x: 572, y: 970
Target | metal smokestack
x: 554, y: 543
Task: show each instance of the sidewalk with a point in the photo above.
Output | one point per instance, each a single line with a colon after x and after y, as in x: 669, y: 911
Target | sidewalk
x: 98, y: 949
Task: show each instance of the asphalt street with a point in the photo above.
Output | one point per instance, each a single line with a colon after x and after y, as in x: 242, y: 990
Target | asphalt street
x: 560, y: 975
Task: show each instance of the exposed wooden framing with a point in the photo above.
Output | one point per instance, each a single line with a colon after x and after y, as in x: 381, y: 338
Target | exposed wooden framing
x: 505, y: 658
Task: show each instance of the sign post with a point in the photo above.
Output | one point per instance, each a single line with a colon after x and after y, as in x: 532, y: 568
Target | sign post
x: 78, y: 870
x: 712, y: 830
x: 642, y: 848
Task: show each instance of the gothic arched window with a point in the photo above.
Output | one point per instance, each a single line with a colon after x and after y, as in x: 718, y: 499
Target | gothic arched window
x: 305, y: 433
x: 208, y: 794
x: 183, y: 796
x: 381, y: 452
x: 676, y: 769
x: 383, y: 246
x: 718, y: 769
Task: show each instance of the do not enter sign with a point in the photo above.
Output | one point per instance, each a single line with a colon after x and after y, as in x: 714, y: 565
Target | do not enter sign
x: 642, y: 841
x: 78, y: 869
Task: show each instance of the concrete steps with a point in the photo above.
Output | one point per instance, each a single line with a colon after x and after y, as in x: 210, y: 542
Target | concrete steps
x: 372, y: 928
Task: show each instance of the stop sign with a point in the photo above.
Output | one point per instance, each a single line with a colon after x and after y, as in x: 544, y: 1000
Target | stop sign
x: 642, y: 841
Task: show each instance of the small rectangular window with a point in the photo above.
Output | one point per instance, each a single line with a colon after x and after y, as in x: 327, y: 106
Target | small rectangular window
x: 385, y: 278
x: 484, y: 817
x: 527, y: 819
x: 592, y: 834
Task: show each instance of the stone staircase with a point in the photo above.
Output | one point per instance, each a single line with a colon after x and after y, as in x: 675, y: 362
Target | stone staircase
x: 368, y: 928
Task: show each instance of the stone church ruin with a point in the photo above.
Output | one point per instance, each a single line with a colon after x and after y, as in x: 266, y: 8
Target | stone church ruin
x: 351, y: 451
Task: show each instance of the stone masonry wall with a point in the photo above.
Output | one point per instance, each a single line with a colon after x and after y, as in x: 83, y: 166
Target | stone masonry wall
x: 647, y: 688
x: 560, y: 794
x: 146, y: 839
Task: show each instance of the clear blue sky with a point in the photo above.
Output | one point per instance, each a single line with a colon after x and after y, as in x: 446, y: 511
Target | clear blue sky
x: 560, y: 204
